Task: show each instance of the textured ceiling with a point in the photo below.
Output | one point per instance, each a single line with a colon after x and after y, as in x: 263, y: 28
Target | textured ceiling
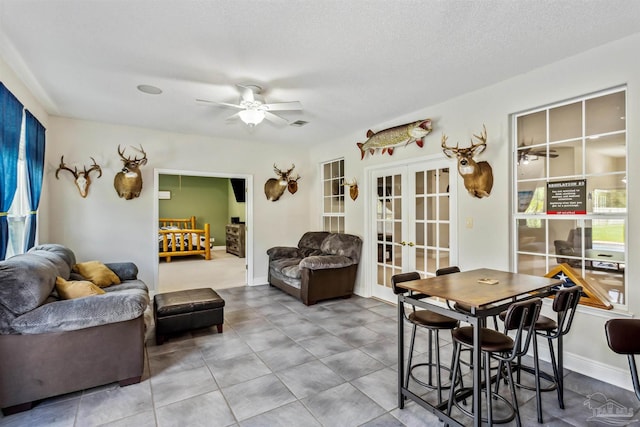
x: 351, y: 63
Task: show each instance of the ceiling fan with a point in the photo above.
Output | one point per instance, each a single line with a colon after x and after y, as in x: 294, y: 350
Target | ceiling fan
x: 253, y: 109
x: 526, y: 154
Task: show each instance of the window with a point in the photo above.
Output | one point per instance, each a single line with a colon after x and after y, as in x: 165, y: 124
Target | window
x: 19, y: 210
x: 333, y: 196
x: 581, y: 144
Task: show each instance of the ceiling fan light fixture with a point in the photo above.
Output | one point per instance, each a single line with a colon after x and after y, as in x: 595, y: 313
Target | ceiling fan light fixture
x: 251, y: 117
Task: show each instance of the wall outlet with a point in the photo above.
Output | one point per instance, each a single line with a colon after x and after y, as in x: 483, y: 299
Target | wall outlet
x: 469, y: 222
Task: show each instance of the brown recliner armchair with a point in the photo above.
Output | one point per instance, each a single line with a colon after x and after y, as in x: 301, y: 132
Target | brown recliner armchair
x: 323, y: 266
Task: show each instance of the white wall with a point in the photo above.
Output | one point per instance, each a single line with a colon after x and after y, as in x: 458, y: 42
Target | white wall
x: 105, y: 227
x: 488, y: 243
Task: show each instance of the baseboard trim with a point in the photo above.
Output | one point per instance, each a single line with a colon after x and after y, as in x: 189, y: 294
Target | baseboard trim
x: 600, y: 371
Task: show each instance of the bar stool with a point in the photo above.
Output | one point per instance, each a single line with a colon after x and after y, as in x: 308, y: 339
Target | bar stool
x: 565, y: 303
x: 520, y: 317
x: 433, y: 323
x: 622, y: 337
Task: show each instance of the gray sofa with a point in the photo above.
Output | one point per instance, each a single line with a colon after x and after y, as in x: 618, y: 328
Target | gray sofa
x: 51, y: 346
x: 323, y: 266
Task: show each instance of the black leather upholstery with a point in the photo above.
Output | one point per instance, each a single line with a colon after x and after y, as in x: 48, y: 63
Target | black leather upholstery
x: 186, y: 310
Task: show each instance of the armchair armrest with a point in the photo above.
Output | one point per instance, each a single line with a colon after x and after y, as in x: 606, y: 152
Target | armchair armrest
x: 124, y: 270
x: 283, y: 252
x: 80, y: 313
x: 324, y: 262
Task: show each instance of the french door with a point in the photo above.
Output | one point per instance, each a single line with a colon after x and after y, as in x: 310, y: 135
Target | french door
x: 413, y: 228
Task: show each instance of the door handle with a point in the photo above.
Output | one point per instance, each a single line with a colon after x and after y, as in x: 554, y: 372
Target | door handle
x: 403, y: 243
x: 411, y: 244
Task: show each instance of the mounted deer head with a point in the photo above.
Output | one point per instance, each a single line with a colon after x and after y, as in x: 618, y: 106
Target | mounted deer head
x: 292, y: 185
x: 81, y: 179
x: 274, y: 187
x: 478, y: 177
x: 128, y: 182
x: 353, y: 188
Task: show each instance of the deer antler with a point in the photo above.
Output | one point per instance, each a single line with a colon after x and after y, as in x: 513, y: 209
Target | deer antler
x: 141, y: 161
x: 93, y: 167
x: 482, y: 138
x: 444, y: 144
x: 64, y: 167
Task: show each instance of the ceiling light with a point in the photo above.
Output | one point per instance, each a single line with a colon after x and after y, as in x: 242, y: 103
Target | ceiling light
x: 151, y: 90
x: 251, y: 117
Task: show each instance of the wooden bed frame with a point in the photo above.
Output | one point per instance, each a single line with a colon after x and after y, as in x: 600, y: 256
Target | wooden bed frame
x: 187, y: 231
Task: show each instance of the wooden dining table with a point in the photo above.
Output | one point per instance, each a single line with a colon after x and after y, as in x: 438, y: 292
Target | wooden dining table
x: 487, y: 292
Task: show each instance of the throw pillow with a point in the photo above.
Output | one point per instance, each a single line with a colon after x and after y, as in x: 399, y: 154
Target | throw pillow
x: 98, y: 273
x: 76, y: 288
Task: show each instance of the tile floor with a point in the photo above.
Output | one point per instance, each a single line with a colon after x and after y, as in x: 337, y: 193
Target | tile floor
x: 280, y: 363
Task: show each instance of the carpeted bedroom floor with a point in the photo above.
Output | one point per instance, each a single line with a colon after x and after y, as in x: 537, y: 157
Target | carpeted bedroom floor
x: 224, y: 270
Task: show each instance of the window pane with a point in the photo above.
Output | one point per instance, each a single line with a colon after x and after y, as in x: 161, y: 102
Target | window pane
x: 531, y: 197
x: 565, y: 159
x: 532, y: 264
x: 532, y: 235
x: 565, y: 122
x: 605, y: 114
x: 532, y: 128
x: 606, y: 154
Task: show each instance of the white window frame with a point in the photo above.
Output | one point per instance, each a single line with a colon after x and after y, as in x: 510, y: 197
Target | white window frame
x: 593, y: 214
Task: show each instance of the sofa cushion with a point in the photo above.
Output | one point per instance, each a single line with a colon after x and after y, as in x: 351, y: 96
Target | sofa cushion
x: 26, y: 280
x: 76, y: 288
x: 288, y: 267
x: 323, y: 262
x: 80, y: 313
x: 343, y: 244
x: 66, y: 254
x: 313, y: 240
x: 98, y: 273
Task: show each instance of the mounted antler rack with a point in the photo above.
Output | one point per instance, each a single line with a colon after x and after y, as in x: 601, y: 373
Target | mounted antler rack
x: 82, y: 179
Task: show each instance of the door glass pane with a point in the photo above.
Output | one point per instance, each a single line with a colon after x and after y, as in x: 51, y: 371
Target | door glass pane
x: 420, y: 238
x: 443, y: 203
x: 420, y: 208
x: 420, y: 187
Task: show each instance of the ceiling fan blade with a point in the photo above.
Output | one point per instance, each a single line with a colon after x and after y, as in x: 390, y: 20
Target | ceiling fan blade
x: 275, y: 119
x: 234, y: 116
x: 247, y: 93
x: 225, y: 104
x: 282, y: 106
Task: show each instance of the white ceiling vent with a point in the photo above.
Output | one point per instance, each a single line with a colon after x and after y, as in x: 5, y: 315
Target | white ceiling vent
x: 298, y: 123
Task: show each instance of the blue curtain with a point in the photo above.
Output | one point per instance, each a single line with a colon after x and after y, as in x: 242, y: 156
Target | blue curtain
x: 10, y: 122
x: 34, y: 150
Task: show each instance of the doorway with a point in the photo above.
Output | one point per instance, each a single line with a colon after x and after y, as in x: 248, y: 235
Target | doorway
x: 217, y: 200
x: 411, y: 221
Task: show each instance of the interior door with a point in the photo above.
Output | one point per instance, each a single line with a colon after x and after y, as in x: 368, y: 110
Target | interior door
x: 413, y: 215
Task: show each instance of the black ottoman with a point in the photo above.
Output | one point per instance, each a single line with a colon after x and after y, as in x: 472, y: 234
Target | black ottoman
x: 182, y: 311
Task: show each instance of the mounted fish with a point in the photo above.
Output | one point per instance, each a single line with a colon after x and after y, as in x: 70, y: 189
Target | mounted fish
x: 393, y: 137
